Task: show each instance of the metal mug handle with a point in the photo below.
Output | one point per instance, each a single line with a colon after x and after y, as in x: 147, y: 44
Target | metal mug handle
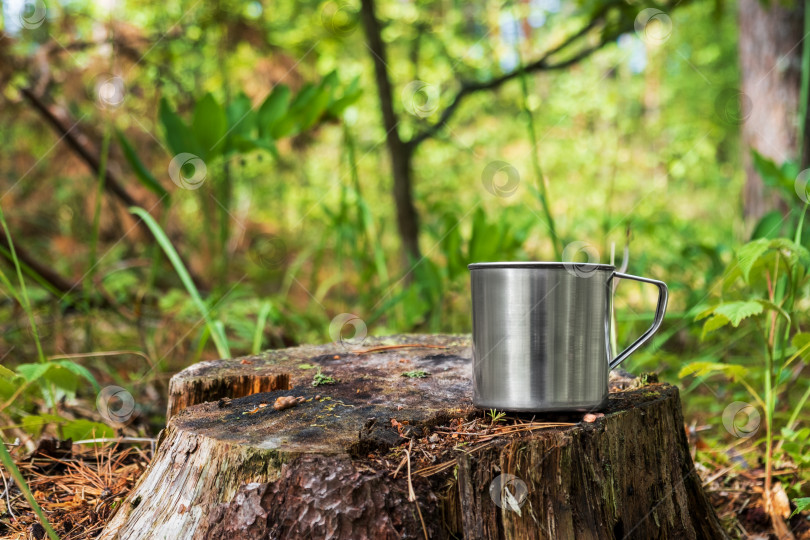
x: 659, y: 316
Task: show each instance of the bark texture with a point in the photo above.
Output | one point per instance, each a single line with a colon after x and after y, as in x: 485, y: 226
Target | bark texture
x: 770, y: 47
x: 234, y: 469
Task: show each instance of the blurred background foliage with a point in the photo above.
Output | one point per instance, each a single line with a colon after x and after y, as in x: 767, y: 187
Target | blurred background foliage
x: 287, y: 219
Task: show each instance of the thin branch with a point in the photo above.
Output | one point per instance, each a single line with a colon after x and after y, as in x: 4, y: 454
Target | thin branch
x: 111, y: 181
x: 541, y: 64
x: 59, y: 283
x: 113, y: 184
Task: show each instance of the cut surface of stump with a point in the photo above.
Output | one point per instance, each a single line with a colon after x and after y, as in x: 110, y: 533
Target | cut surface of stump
x: 331, y: 461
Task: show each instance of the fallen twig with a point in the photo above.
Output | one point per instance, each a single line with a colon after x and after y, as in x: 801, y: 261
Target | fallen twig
x: 411, y: 494
x: 391, y: 347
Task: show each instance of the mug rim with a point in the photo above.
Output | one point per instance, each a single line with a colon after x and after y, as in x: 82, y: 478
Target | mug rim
x: 540, y: 264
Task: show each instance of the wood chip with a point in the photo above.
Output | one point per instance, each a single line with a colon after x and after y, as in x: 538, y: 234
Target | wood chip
x: 285, y: 402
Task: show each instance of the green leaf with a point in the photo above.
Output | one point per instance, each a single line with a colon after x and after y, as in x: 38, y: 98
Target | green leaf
x: 61, y: 378
x: 273, y: 109
x: 802, y: 504
x: 241, y: 117
x: 6, y: 373
x: 749, y: 254
x: 81, y: 371
x: 35, y: 423
x: 178, y: 134
x: 701, y: 369
x: 83, y: 429
x: 290, y: 123
x: 800, y: 341
x: 717, y: 321
x: 140, y: 170
x: 735, y: 312
x: 210, y: 126
x: 315, y: 109
x: 33, y: 372
x: 705, y: 313
x: 769, y: 226
x: 350, y: 95
x: 770, y: 172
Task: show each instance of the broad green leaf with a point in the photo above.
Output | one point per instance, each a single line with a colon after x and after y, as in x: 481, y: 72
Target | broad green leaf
x: 717, y: 321
x: 81, y: 371
x: 700, y: 369
x: 33, y: 372
x: 267, y: 144
x: 62, y: 378
x: 769, y: 226
x: 6, y: 373
x: 802, y: 343
x: 735, y: 312
x: 35, y: 423
x: 705, y: 313
x: 178, y: 134
x: 273, y: 109
x: 290, y: 123
x: 315, y: 109
x: 140, y: 170
x: 802, y: 504
x: 748, y: 255
x: 210, y: 126
x: 770, y: 172
x: 241, y: 116
x: 350, y: 95
x: 330, y: 81
x: 84, y: 429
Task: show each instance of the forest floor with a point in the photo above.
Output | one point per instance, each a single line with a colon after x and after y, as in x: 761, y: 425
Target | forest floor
x: 79, y: 486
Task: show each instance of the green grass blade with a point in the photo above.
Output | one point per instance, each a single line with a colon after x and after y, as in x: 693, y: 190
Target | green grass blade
x: 23, y: 291
x: 261, y: 321
x: 12, y: 469
x: 217, y: 333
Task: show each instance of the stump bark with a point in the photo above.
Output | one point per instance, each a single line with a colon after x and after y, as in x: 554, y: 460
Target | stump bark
x: 230, y: 465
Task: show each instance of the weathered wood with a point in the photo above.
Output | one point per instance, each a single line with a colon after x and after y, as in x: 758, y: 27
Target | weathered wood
x: 233, y: 468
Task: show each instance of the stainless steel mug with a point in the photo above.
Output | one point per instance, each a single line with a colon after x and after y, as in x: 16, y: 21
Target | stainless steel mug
x: 541, y: 334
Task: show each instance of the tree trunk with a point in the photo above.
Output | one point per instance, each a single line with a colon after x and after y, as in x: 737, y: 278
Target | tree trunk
x: 335, y: 464
x: 400, y: 152
x: 770, y: 47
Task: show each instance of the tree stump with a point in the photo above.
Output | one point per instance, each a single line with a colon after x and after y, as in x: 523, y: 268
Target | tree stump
x: 335, y: 464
